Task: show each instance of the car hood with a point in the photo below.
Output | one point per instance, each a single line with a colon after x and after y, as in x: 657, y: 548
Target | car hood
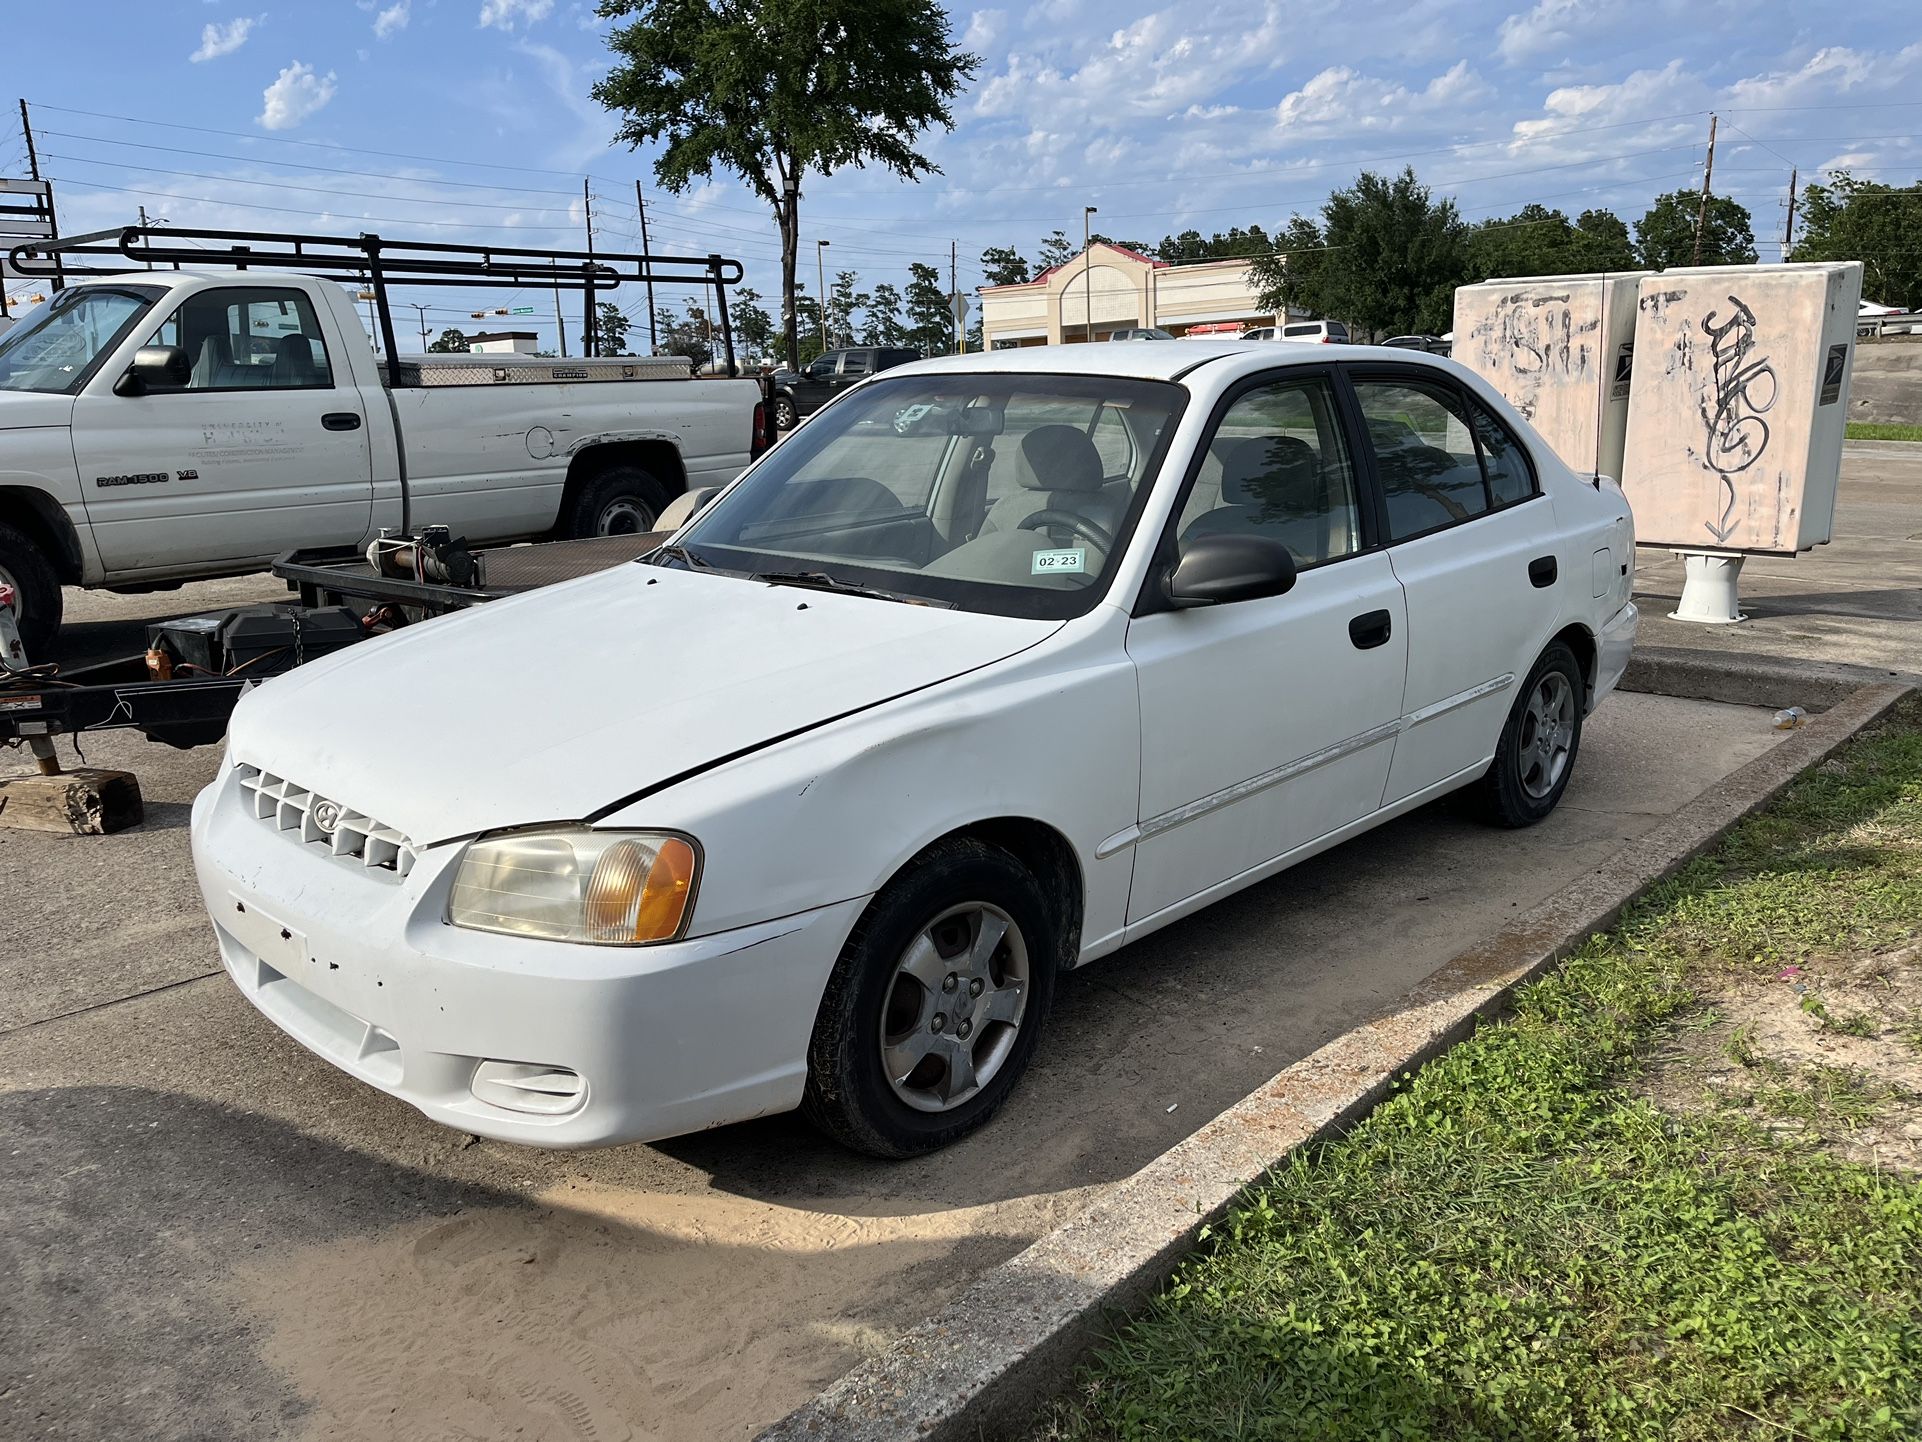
x: 19, y: 409
x: 555, y: 705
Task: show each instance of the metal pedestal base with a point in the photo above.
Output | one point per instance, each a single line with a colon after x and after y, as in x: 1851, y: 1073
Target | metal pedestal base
x: 1708, y: 589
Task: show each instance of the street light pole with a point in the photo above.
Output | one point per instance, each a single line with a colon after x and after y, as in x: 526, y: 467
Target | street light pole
x: 821, y: 300
x: 1087, y: 279
x: 421, y: 311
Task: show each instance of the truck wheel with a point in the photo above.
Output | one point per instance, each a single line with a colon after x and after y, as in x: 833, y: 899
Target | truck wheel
x: 1536, y: 755
x: 784, y: 416
x: 38, y: 590
x: 620, y: 501
x: 935, y: 1005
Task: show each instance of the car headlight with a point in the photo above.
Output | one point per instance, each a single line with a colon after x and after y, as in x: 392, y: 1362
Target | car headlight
x: 608, y: 888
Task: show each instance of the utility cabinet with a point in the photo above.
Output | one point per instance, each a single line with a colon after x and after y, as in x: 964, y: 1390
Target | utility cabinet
x: 1739, y: 403
x: 1559, y: 349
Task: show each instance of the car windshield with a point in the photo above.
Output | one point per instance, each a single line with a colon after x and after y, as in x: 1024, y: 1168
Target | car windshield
x: 1009, y: 494
x: 58, y: 346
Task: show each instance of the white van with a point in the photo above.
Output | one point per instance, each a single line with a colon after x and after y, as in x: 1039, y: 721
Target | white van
x: 1314, y: 332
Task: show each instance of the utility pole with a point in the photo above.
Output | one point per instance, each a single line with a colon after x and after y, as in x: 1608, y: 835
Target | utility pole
x: 559, y: 324
x: 421, y: 311
x: 1708, y: 171
x: 653, y: 338
x: 954, y: 289
x: 26, y: 129
x: 590, y: 334
x: 1788, y: 230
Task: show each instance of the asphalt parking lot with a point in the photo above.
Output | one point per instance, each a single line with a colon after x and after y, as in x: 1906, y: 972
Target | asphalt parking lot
x: 215, y: 1234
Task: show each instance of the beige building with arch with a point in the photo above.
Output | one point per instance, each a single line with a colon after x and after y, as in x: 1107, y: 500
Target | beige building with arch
x: 1109, y: 287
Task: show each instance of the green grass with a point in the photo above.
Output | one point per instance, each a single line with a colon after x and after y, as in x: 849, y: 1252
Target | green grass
x: 1882, y: 431
x: 1518, y: 1245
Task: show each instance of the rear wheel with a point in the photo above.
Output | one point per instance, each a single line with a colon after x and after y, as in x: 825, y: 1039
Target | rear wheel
x: 623, y: 500
x: 37, y: 603
x: 936, y: 1004
x: 784, y: 413
x: 1536, y: 755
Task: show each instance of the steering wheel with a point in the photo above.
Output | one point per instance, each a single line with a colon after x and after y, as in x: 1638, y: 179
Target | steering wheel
x: 1081, y: 526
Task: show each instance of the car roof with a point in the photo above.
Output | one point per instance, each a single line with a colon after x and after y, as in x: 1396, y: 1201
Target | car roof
x: 1148, y: 362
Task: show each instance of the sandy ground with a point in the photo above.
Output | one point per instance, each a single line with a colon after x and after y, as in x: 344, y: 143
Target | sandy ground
x: 209, y: 1233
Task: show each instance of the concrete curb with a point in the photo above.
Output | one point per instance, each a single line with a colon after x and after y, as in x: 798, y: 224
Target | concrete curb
x: 987, y: 1361
x: 1749, y: 680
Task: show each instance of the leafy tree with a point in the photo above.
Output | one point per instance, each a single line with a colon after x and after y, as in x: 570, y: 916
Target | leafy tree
x: 1004, y: 265
x: 1190, y: 244
x: 772, y: 90
x: 1141, y: 247
x: 610, y: 329
x: 883, y: 317
x: 752, y: 323
x: 1056, y: 249
x: 684, y: 334
x: 1539, y: 241
x: 844, y: 301
x: 929, y: 319
x: 1666, y: 235
x: 451, y: 342
x: 1386, y: 258
x: 1850, y: 219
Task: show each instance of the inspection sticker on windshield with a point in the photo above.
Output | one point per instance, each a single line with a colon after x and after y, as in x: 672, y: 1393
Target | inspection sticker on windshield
x: 1048, y: 562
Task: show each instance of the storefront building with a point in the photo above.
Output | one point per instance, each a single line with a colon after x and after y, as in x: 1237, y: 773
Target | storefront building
x: 1109, y: 288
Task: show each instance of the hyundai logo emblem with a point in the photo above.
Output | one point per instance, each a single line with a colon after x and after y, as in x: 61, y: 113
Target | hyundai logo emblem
x: 327, y: 815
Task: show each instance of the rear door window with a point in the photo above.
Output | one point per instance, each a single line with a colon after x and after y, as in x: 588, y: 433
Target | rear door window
x: 1440, y: 457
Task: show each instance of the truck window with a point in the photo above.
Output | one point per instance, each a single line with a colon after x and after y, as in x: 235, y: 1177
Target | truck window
x: 57, y: 347
x: 251, y: 338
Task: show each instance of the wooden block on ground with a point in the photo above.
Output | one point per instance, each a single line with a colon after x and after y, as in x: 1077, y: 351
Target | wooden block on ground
x: 86, y: 802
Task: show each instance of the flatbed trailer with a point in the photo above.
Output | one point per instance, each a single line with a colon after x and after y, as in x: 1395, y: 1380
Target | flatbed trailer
x: 42, y: 702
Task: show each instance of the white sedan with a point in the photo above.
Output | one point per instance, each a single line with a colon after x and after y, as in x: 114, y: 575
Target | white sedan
x: 999, y: 663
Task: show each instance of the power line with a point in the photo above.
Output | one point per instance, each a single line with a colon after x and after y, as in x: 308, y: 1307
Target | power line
x: 311, y: 189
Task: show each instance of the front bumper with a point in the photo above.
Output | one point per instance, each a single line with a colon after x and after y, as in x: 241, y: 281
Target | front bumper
x: 1617, y: 644
x: 363, y: 969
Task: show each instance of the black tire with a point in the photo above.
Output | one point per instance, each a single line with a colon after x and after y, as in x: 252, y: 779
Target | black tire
x: 848, y: 1093
x: 785, y: 416
x: 622, y: 500
x: 38, y: 608
x: 1523, y: 785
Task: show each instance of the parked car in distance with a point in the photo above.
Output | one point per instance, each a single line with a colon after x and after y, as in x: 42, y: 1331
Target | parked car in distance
x: 1002, y: 662
x: 1315, y: 332
x: 1142, y: 332
x: 1432, y: 344
x: 827, y: 375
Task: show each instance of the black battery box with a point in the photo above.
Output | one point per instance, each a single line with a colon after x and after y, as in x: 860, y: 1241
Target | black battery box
x: 255, y: 640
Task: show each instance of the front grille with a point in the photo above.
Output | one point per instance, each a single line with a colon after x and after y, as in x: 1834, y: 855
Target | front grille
x: 353, y: 836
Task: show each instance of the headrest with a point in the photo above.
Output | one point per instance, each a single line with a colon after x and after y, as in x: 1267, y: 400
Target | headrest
x: 1269, y: 470
x: 294, y: 359
x: 1057, y: 458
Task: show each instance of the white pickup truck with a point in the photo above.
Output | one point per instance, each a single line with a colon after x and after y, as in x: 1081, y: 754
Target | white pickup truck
x: 164, y: 426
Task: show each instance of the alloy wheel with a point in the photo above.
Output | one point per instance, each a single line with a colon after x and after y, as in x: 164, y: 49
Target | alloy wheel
x: 1547, y: 735
x: 954, y: 1006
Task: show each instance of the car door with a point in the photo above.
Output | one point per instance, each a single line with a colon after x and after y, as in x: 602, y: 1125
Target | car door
x: 263, y: 450
x: 1267, y: 724
x: 1473, y: 543
x: 815, y: 388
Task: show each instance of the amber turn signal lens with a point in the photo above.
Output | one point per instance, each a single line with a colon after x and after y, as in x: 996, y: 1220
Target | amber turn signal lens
x: 638, y: 892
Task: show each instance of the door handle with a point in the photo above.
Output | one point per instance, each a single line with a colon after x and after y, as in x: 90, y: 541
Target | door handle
x: 341, y: 421
x: 1541, y: 572
x: 1370, y: 630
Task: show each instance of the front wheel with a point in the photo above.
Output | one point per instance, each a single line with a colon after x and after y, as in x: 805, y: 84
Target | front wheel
x: 1536, y: 755
x: 620, y: 501
x: 37, y: 599
x: 935, y: 1005
x: 785, y: 417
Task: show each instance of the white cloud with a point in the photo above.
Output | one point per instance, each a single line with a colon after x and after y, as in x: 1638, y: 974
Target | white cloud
x: 218, y: 40
x: 506, y: 14
x: 984, y: 28
x: 394, y: 17
x: 1341, y: 100
x: 1550, y: 25
x: 297, y: 92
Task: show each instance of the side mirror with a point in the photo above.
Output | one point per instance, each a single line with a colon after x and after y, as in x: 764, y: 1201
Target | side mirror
x: 684, y: 508
x: 1215, y: 570
x: 165, y: 366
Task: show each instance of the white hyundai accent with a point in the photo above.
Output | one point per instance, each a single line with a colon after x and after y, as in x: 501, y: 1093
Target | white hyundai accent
x: 997, y: 664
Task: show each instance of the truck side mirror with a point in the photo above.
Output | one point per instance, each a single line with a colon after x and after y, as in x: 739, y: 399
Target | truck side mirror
x: 162, y: 366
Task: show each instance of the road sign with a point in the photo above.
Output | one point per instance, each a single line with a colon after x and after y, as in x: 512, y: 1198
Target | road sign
x: 958, y: 303
x: 522, y: 310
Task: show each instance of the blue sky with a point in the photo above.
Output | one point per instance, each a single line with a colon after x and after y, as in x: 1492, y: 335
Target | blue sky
x: 469, y: 119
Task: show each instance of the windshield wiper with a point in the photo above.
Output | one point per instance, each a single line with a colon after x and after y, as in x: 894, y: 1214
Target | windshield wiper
x: 683, y: 555
x: 822, y: 581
